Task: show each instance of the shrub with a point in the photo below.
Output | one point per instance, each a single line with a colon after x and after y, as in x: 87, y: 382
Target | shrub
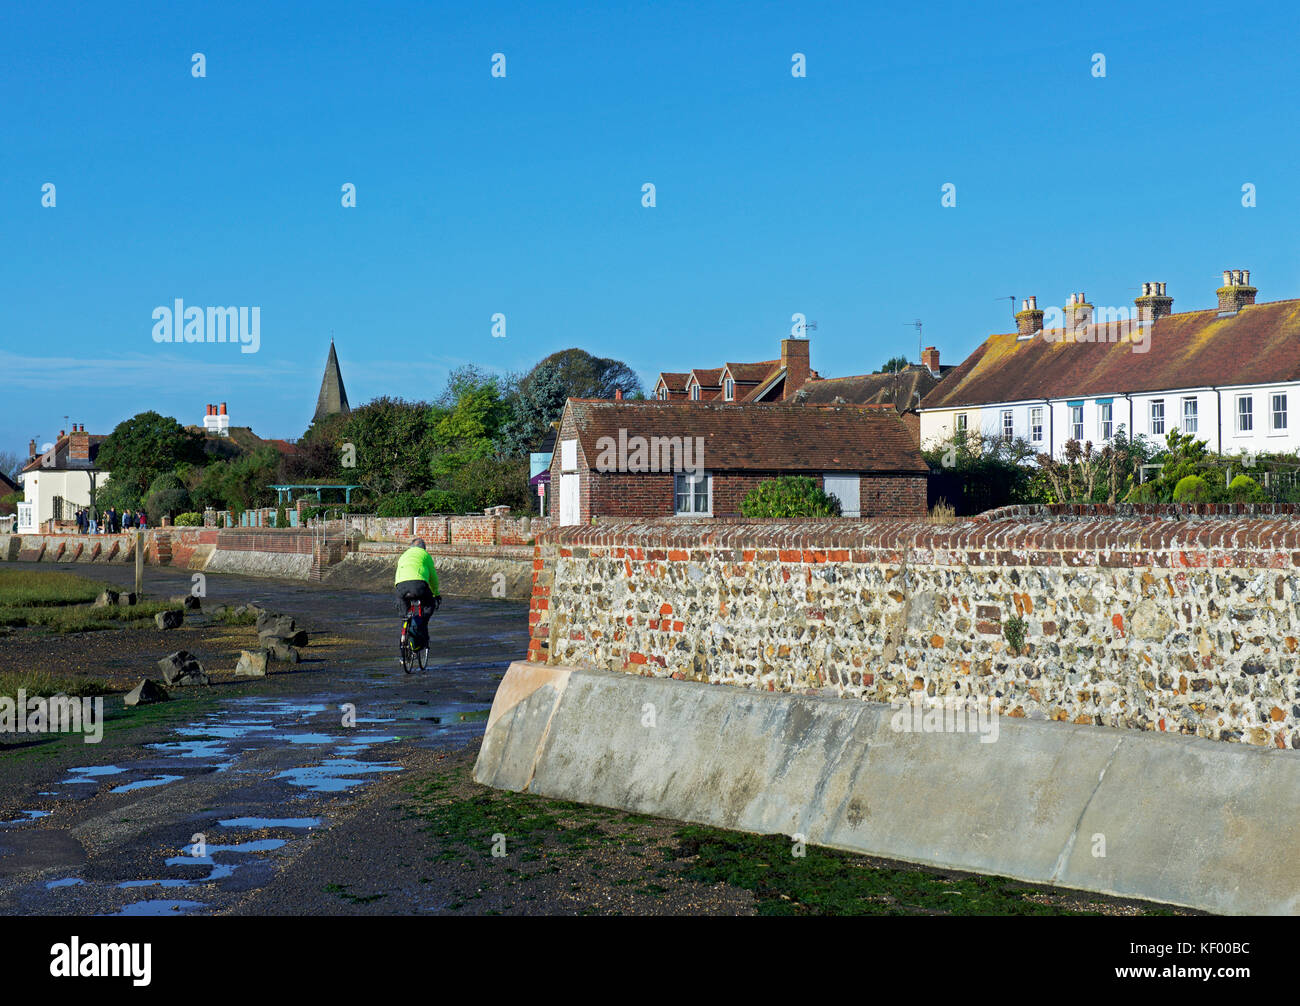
x: 789, y: 496
x: 1192, y: 489
x: 189, y: 519
x: 281, y: 518
x: 1014, y: 632
x: 398, y: 505
x: 1244, y: 489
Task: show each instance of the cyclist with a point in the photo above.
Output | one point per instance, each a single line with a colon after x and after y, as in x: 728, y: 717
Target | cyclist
x: 417, y: 580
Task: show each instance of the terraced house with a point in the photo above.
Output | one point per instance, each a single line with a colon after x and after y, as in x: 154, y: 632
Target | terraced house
x: 1229, y: 374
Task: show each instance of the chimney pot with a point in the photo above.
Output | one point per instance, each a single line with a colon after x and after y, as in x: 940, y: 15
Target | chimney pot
x: 223, y: 408
x: 1245, y: 277
x: 1227, y: 277
x: 1236, y: 292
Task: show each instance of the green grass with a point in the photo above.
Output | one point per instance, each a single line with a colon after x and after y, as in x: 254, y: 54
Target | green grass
x: 228, y: 617
x: 30, y: 588
x: 820, y: 881
x: 36, y: 683
x: 82, y: 617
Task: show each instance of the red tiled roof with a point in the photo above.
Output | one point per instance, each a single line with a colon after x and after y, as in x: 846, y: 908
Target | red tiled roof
x: 1193, y: 349
x: 753, y: 373
x: 759, y: 436
x: 900, y: 390
x: 711, y: 378
x: 673, y: 381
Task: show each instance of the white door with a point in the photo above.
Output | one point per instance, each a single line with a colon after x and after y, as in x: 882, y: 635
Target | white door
x: 845, y: 489
x: 569, y: 508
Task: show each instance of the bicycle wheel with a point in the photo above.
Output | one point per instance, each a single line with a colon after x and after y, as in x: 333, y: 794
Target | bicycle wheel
x: 408, y: 658
x: 423, y: 656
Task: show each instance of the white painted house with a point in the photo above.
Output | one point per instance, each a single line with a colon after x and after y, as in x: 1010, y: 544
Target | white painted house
x: 1229, y: 374
x: 57, y: 481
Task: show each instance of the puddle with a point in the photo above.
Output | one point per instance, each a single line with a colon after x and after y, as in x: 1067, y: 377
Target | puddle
x: 270, y: 822
x: 261, y: 845
x: 161, y: 780
x: 65, y: 882
x: 28, y: 815
x: 333, y: 774
x: 160, y: 907
x: 89, y: 773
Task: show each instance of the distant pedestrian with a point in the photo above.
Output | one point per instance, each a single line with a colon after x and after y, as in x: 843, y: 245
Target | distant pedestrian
x: 144, y: 523
x: 127, y: 520
x: 94, y: 529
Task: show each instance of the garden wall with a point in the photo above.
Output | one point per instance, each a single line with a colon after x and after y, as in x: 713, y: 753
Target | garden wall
x: 1156, y: 618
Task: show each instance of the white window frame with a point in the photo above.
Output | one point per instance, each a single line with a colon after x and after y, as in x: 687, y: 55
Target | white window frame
x: 1008, y: 425
x: 695, y: 392
x: 1105, y: 420
x: 1076, y: 422
x: 681, y: 477
x: 1155, y: 418
x: 728, y: 389
x: 662, y: 394
x: 1244, y: 419
x: 960, y: 422
x: 1273, y: 412
x: 1036, y: 424
x: 1191, y: 419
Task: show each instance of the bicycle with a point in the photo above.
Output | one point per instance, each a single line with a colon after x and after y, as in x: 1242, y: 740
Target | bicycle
x: 411, y: 657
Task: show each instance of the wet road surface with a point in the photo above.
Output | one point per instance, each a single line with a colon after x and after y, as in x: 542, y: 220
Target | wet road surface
x: 204, y: 808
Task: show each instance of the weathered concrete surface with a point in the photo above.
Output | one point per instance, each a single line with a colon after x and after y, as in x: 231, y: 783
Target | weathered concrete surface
x: 458, y: 575
x: 282, y: 565
x: 1198, y: 823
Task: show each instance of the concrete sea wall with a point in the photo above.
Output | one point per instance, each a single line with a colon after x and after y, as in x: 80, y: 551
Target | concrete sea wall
x: 1144, y: 815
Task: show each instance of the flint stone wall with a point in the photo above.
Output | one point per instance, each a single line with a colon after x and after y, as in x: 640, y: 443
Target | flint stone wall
x: 1161, y: 620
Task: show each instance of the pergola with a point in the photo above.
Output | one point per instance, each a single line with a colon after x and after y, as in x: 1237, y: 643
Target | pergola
x: 284, y: 494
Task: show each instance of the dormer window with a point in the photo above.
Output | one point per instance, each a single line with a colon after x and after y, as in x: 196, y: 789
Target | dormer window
x: 695, y: 392
x: 729, y: 389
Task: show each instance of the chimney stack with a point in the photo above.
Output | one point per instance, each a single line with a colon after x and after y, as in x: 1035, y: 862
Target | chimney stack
x: 223, y: 408
x: 1236, y: 291
x: 795, y: 362
x: 1078, y: 312
x: 930, y: 360
x: 1029, y: 319
x: 618, y: 394
x: 1154, y: 303
x: 79, y: 448
x: 31, y: 451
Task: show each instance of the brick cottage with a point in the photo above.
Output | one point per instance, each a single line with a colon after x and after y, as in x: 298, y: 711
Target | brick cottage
x: 621, y: 459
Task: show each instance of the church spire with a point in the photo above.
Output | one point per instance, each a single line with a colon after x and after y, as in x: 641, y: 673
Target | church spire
x: 333, y: 397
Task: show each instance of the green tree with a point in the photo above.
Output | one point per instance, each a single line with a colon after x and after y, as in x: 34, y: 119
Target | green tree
x: 394, y: 444
x: 537, y: 402
x: 893, y: 365
x: 143, y: 447
x: 789, y: 496
x: 585, y: 376
x: 1183, y: 455
x: 167, y: 496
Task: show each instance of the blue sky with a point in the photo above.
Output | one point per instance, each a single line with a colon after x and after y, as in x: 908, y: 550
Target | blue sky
x: 522, y: 196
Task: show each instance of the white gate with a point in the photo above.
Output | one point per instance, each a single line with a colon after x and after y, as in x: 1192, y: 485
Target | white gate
x: 569, y: 502
x: 845, y: 489
x: 26, y: 518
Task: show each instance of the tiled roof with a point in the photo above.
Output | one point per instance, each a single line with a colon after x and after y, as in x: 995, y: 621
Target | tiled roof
x: 1258, y: 345
x: 753, y: 373
x: 673, y: 381
x: 60, y: 453
x: 899, y: 390
x: 711, y: 378
x: 759, y: 436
